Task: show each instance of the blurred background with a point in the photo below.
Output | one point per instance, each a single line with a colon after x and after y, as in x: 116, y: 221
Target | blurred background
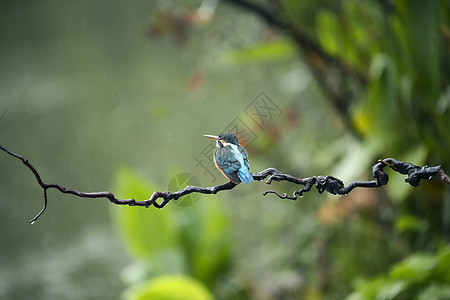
x: 116, y: 95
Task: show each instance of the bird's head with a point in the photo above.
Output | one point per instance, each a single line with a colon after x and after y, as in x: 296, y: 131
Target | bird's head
x: 226, y: 137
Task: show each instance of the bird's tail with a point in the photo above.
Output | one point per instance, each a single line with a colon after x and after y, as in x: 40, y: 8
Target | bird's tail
x: 244, y: 175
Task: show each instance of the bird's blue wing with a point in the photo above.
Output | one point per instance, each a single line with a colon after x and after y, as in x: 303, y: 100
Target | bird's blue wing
x: 227, y: 163
x: 245, y: 156
x: 244, y: 171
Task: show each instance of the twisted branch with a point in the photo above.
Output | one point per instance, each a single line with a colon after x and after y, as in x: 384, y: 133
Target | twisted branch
x: 335, y: 186
x: 330, y: 184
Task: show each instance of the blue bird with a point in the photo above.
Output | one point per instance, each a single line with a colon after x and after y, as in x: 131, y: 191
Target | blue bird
x: 231, y: 158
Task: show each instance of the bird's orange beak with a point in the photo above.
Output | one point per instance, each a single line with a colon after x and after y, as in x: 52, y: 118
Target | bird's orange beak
x: 213, y: 137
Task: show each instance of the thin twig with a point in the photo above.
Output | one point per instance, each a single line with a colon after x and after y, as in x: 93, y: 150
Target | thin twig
x: 329, y: 184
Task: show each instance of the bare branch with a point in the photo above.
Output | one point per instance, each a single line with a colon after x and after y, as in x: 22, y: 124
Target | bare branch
x: 329, y: 184
x: 165, y: 196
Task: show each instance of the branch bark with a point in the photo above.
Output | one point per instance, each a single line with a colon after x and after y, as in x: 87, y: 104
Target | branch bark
x: 329, y: 184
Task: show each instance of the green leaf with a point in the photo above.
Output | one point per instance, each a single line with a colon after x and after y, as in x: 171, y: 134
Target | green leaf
x: 414, y: 268
x: 213, y: 243
x: 391, y: 290
x: 367, y: 289
x: 410, y: 223
x: 417, y: 26
x: 145, y: 231
x: 328, y: 32
x: 267, y: 51
x: 420, y: 276
x: 205, y: 237
x: 435, y: 292
x: 169, y: 288
x: 442, y: 270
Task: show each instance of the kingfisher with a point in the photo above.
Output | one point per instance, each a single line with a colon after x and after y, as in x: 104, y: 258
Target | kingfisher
x: 231, y: 158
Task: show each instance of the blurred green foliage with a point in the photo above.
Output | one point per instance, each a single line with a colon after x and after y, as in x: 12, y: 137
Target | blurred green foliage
x: 420, y: 276
x: 388, y: 79
x: 186, y: 241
